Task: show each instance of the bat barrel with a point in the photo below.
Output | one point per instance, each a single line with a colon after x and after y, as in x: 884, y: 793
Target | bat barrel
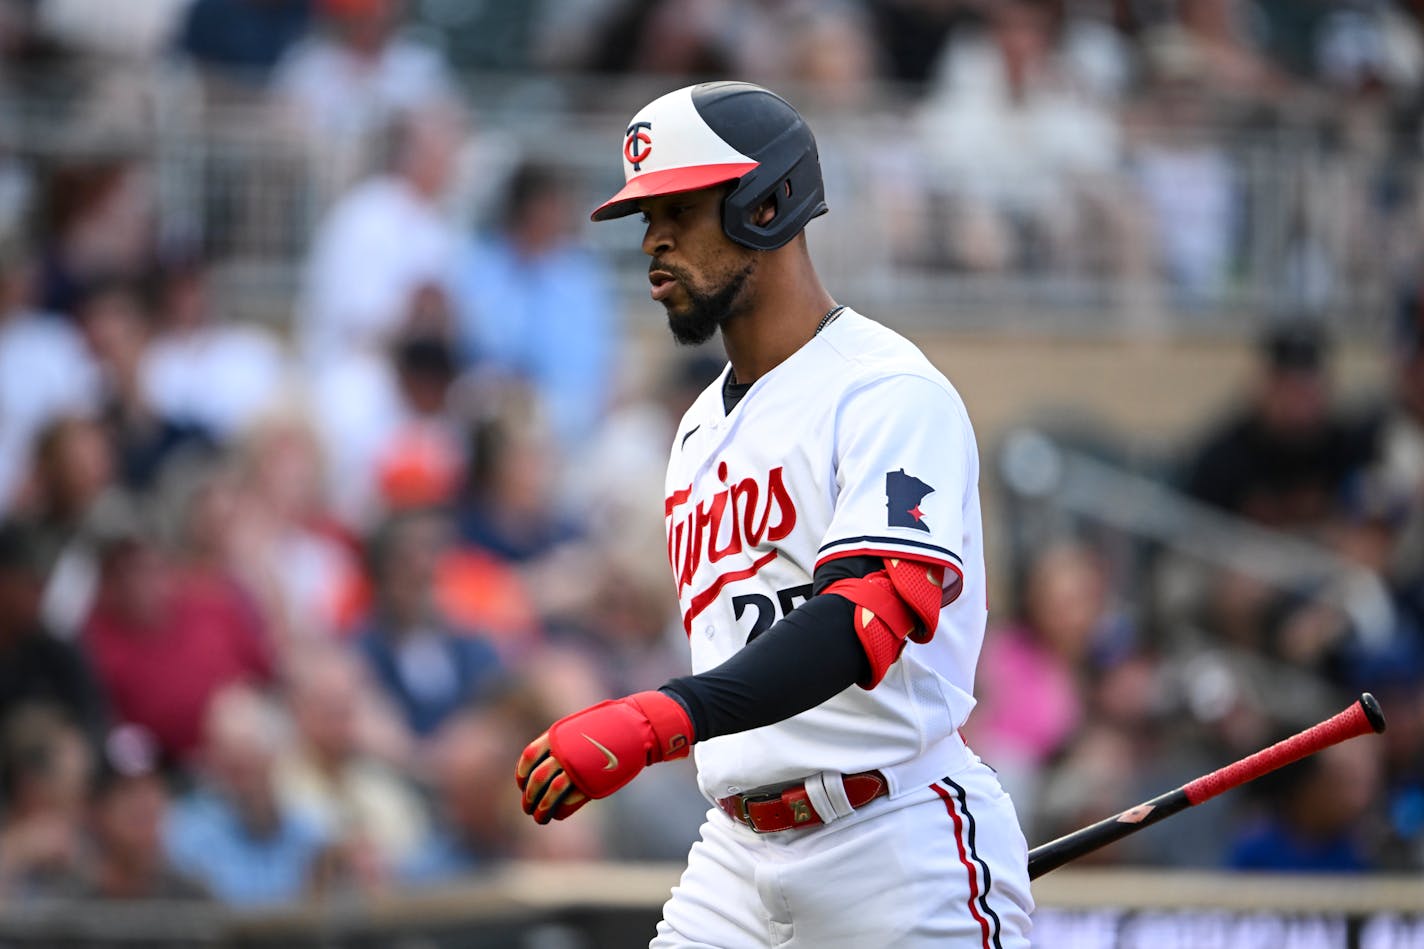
x: 1055, y: 853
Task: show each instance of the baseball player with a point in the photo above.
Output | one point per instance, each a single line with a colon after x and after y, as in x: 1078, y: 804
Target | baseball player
x: 824, y: 534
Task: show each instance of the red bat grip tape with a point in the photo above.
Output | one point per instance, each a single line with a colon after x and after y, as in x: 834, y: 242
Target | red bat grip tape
x: 1359, y: 719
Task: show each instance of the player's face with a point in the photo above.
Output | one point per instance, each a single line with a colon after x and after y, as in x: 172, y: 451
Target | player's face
x: 699, y: 276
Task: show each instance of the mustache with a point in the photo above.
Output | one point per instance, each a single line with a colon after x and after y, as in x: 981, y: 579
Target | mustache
x: 677, y: 273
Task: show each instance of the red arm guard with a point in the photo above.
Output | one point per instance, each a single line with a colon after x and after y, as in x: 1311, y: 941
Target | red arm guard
x: 898, y: 603
x: 592, y: 753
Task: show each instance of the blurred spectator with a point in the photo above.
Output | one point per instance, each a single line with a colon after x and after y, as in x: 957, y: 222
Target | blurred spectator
x: 202, y: 368
x: 74, y: 475
x: 127, y: 808
x: 34, y: 666
x: 384, y: 241
x: 583, y: 37
x: 1403, y: 803
x: 1313, y: 813
x: 286, y: 546
x: 1397, y: 470
x: 476, y: 811
x: 1012, y: 142
x: 46, y: 371
x: 384, y: 419
x: 163, y: 649
x: 116, y: 324
x: 1097, y: 53
x: 496, y: 37
x: 232, y: 831
x: 1033, y: 672
x: 833, y: 56
x: 1096, y: 775
x: 1283, y: 457
x: 242, y: 39
x: 325, y: 771
x: 477, y: 818
x: 708, y: 38
x: 914, y: 33
x: 205, y: 530
x: 357, y: 72
x: 623, y: 463
x: 99, y: 222
x: 509, y: 507
x: 539, y: 306
x: 428, y: 668
x: 422, y: 462
x: 98, y: 28
x: 421, y: 465
x: 1189, y: 184
x: 1364, y: 44
x: 1381, y: 522
x: 45, y: 765
x: 74, y: 470
x: 1215, y: 37
x: 17, y: 187
x: 385, y: 255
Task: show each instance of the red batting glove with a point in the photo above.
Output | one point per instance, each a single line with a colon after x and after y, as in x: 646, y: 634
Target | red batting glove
x: 592, y: 753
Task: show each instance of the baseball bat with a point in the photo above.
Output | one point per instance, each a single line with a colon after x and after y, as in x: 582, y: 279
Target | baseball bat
x: 1361, y: 718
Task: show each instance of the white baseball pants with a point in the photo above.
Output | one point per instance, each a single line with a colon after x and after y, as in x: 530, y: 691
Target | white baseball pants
x: 943, y: 866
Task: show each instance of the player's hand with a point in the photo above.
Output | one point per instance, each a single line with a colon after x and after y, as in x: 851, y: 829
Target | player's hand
x: 592, y: 753
x: 549, y: 794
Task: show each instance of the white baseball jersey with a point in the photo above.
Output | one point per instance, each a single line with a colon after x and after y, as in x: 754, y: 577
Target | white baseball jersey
x: 854, y: 445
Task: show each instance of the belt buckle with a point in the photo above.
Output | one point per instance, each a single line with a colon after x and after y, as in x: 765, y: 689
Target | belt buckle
x: 743, y: 800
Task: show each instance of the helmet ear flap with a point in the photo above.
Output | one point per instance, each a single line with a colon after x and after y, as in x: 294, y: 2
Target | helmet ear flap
x: 797, y: 193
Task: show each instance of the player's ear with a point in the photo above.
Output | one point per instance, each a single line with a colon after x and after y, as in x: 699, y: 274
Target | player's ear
x: 766, y: 213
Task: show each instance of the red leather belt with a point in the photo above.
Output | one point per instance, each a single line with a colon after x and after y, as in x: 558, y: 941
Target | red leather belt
x: 785, y: 808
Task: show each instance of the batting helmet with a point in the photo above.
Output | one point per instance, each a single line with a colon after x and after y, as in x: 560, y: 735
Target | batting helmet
x: 719, y: 132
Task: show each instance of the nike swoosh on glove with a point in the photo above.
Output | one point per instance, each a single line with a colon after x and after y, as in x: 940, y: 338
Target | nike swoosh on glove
x: 592, y: 753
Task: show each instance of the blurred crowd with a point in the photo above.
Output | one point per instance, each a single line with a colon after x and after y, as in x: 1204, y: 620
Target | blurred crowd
x: 1183, y: 154
x: 1133, y: 666
x: 279, y: 606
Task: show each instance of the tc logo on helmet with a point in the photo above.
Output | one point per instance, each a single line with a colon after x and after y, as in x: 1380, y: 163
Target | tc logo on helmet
x: 638, y: 145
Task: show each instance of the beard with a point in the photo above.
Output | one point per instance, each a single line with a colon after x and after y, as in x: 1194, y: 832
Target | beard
x: 697, y: 320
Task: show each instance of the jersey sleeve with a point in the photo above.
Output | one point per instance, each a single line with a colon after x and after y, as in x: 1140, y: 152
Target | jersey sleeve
x: 904, y: 457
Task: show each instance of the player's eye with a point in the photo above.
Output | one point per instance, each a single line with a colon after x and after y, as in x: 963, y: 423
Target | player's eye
x: 643, y: 216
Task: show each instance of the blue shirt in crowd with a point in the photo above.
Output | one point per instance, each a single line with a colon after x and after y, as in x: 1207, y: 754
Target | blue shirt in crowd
x: 206, y: 839
x: 430, y: 672
x: 1272, y: 847
x: 548, y: 318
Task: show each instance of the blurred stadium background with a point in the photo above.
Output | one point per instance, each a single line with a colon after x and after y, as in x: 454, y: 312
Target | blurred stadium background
x: 332, y: 438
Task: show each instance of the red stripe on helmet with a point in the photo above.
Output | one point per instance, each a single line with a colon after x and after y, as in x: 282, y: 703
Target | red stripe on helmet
x: 651, y: 184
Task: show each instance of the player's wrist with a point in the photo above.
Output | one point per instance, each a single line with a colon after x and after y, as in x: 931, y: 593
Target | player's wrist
x: 670, y: 721
x: 604, y: 746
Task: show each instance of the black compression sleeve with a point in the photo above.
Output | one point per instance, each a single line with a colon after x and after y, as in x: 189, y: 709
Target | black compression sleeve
x: 844, y: 568
x: 810, y: 655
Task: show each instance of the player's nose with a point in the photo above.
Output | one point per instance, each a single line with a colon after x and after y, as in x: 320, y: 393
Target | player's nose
x: 657, y: 238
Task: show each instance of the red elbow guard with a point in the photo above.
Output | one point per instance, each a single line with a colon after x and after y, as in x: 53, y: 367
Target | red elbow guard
x: 892, y: 605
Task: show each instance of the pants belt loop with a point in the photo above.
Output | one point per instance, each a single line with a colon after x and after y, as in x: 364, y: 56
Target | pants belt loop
x: 827, y: 794
x: 836, y: 790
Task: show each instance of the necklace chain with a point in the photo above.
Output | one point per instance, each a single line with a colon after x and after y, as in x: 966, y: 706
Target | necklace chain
x: 826, y: 320
x: 829, y: 318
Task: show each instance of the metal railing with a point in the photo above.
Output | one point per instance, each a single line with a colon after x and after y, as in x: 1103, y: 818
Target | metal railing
x: 531, y: 906
x: 1297, y: 222
x: 1035, y: 469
